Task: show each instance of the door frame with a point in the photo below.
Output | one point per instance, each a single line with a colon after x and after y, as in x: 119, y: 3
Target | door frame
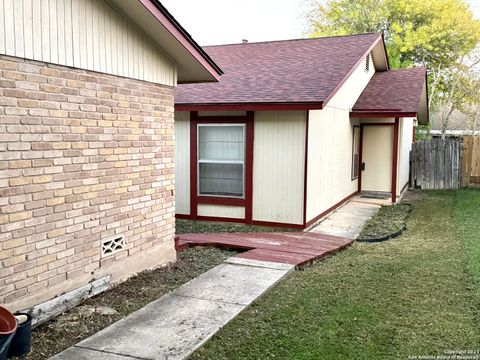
x: 395, y: 143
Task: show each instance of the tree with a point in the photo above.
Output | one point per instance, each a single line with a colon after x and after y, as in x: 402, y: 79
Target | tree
x: 461, y: 91
x: 471, y: 105
x: 436, y: 34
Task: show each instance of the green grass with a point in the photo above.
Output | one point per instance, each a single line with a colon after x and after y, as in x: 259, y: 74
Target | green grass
x: 388, y: 221
x: 413, y: 295
x: 467, y: 221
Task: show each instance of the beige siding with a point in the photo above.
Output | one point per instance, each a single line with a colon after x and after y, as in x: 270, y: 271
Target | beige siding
x: 405, y: 145
x: 329, y: 176
x: 232, y: 212
x: 182, y: 163
x: 86, y: 34
x: 278, y: 166
x: 351, y: 89
x: 330, y: 136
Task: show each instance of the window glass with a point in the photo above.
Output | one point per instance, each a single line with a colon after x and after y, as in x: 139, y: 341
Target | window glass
x: 356, y: 152
x: 221, y: 154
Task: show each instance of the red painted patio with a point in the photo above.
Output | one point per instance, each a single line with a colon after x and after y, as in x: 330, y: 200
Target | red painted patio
x: 296, y: 248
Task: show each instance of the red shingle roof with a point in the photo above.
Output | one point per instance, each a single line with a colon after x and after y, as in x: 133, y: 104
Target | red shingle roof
x: 397, y: 90
x: 292, y: 71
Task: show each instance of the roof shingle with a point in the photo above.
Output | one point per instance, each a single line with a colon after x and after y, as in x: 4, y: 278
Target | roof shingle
x: 291, y: 71
x: 397, y: 90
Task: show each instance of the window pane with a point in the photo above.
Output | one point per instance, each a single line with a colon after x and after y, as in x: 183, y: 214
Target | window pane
x: 221, y: 179
x: 355, y: 165
x: 356, y: 151
x: 221, y: 143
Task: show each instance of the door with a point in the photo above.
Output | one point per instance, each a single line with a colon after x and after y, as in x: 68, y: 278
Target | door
x: 377, y: 154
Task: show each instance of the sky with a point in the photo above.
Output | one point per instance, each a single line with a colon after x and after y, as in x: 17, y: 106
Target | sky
x: 214, y: 22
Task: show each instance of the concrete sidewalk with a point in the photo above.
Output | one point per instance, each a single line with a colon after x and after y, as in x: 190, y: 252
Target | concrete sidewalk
x: 178, y: 323
x: 181, y: 321
x: 348, y: 220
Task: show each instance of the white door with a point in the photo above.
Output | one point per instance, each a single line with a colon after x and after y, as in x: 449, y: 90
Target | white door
x: 377, y: 156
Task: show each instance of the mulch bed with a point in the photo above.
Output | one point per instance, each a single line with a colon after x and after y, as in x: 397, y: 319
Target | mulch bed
x: 388, y: 223
x: 190, y: 226
x: 110, y: 306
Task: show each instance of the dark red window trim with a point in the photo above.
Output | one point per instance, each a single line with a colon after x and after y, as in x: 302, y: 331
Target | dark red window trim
x: 196, y: 199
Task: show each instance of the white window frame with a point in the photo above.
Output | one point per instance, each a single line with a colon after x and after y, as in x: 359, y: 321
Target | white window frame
x: 237, y: 162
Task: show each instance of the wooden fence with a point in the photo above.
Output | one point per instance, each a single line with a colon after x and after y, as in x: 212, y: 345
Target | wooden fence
x: 471, y: 161
x: 436, y: 164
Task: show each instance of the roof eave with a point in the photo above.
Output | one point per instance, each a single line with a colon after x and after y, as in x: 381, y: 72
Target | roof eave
x: 381, y: 113
x: 192, y: 62
x: 248, y: 106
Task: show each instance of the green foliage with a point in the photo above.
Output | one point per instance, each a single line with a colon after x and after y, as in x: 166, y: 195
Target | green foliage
x: 437, y: 34
x: 417, y: 32
x: 423, y: 132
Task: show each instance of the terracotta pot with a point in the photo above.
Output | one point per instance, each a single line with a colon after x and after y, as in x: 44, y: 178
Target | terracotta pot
x: 8, y: 323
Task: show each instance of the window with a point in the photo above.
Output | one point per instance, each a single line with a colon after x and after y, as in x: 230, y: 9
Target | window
x: 221, y: 160
x: 356, y: 152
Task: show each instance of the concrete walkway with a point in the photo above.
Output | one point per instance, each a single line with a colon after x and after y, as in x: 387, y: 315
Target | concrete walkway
x: 178, y: 323
x: 348, y: 220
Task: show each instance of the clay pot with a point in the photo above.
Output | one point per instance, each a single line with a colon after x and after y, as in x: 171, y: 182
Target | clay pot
x: 8, y: 323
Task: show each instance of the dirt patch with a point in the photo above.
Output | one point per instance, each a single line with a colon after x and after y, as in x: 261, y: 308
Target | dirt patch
x: 413, y: 195
x: 104, y: 309
x: 191, y: 226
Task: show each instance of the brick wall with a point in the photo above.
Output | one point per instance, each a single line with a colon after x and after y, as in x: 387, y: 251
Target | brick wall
x: 83, y: 156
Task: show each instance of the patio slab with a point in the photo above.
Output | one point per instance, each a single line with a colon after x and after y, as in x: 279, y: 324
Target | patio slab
x: 178, y: 323
x: 348, y: 220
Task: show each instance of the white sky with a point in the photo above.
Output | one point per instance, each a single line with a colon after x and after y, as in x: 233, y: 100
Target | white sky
x: 214, y: 22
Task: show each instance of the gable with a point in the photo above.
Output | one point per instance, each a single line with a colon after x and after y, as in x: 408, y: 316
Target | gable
x: 299, y: 74
x: 95, y: 35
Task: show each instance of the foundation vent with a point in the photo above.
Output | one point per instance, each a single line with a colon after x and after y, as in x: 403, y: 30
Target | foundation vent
x: 112, y: 246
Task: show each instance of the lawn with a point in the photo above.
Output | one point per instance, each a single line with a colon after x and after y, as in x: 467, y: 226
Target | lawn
x: 417, y: 294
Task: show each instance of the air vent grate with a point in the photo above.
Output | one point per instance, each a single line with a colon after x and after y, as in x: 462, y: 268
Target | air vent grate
x: 112, y: 245
x: 367, y: 63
